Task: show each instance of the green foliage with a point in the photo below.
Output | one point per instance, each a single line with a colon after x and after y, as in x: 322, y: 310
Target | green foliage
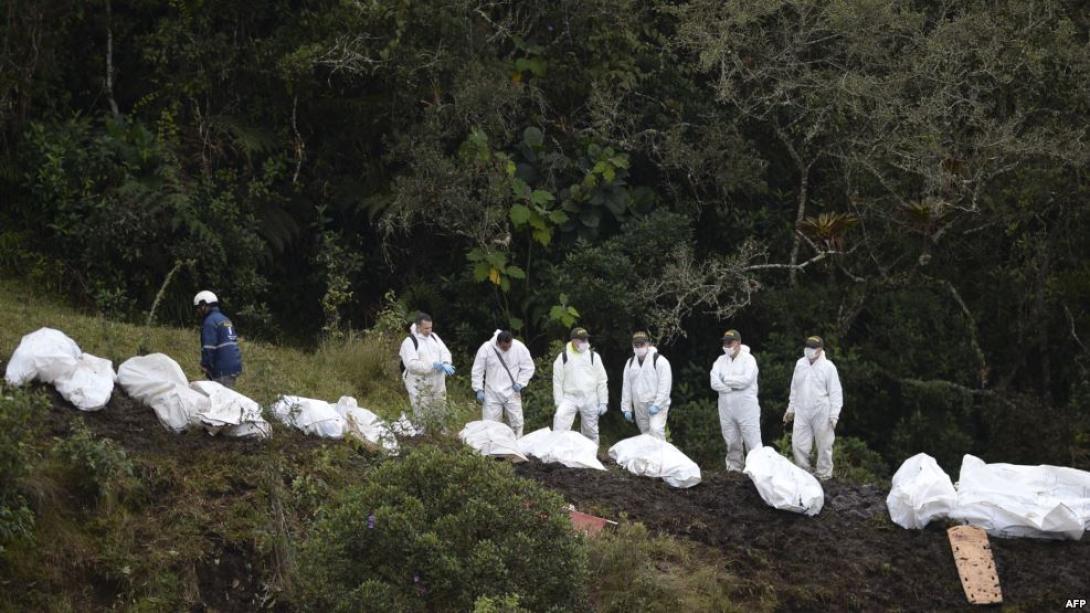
x: 96, y: 469
x: 771, y: 166
x: 493, y: 266
x: 338, y: 264
x: 20, y: 413
x: 854, y: 462
x: 438, y: 530
x: 563, y: 313
x: 641, y: 571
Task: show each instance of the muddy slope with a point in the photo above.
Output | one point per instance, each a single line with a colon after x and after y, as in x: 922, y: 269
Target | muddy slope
x: 850, y: 557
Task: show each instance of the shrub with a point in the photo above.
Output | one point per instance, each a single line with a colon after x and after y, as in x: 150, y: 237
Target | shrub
x: 96, y: 469
x: 638, y: 571
x: 855, y: 462
x: 439, y: 530
x: 19, y: 411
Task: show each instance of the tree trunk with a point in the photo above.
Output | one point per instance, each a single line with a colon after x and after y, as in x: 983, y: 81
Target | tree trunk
x: 110, y: 61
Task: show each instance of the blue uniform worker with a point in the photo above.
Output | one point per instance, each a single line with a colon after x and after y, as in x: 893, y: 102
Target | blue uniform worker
x: 221, y: 358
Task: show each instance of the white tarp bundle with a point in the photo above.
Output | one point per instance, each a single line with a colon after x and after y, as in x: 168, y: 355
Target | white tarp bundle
x: 1008, y: 500
x: 49, y: 356
x: 366, y: 426
x: 568, y: 448
x: 403, y: 426
x: 492, y: 438
x: 783, y: 485
x: 647, y: 456
x: 158, y: 381
x: 921, y: 491
x: 316, y: 417
x: 230, y: 412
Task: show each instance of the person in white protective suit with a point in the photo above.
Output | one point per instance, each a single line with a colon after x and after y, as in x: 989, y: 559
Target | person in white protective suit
x: 580, y: 386
x: 645, y: 392
x: 734, y: 376
x: 502, y: 369
x: 814, y: 405
x: 427, y: 365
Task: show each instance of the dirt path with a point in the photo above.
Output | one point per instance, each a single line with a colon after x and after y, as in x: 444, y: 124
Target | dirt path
x: 850, y: 557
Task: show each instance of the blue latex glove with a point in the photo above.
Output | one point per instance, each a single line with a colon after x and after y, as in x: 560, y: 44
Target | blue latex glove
x: 480, y: 396
x: 654, y: 410
x: 437, y: 366
x: 602, y: 409
x: 448, y: 368
x: 628, y: 416
x: 518, y: 388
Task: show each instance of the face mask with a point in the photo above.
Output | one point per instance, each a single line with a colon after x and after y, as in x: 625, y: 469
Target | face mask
x: 810, y: 353
x: 640, y: 351
x: 581, y: 346
x: 727, y: 350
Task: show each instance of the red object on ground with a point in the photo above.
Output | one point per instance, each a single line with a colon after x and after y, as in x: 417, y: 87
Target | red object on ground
x: 588, y: 524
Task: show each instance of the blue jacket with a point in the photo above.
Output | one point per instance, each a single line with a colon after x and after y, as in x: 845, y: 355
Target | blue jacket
x: 220, y: 353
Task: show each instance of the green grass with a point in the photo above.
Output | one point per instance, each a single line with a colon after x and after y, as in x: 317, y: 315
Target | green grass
x: 133, y: 526
x: 361, y: 365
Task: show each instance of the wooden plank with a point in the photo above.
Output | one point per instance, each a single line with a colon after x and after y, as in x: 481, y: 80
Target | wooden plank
x: 976, y: 566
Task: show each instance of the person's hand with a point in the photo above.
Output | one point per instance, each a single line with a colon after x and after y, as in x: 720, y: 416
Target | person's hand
x: 480, y: 396
x: 518, y: 388
x: 602, y: 408
x: 654, y: 410
x: 628, y: 416
x: 788, y: 416
x: 448, y: 368
x: 437, y: 366
x: 832, y: 422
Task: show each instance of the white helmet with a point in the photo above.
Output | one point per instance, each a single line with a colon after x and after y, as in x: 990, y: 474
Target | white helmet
x: 204, y: 297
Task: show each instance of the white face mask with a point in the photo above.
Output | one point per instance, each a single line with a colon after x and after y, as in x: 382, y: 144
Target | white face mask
x: 640, y: 351
x: 810, y: 353
x: 729, y: 351
x: 581, y: 346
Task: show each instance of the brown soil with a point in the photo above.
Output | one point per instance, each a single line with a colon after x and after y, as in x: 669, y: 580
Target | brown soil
x: 849, y: 557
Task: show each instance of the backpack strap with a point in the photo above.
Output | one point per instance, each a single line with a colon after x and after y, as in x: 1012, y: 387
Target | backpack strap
x: 565, y: 355
x: 654, y: 362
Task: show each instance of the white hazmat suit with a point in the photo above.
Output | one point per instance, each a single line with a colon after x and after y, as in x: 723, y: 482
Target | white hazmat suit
x: 739, y: 413
x: 580, y: 386
x: 496, y: 372
x: 427, y: 386
x: 815, y: 402
x: 647, y: 383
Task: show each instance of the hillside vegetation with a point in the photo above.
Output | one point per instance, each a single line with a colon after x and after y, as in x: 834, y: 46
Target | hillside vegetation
x: 109, y: 510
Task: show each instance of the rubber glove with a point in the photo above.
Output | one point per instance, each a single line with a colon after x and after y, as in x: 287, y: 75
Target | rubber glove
x: 437, y: 366
x: 448, y: 368
x: 518, y: 388
x: 628, y: 416
x: 832, y: 422
x: 602, y: 408
x: 654, y: 410
x: 480, y: 396
x: 788, y: 416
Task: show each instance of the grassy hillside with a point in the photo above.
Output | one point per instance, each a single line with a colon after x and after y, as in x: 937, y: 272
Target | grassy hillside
x: 357, y: 366
x: 108, y: 510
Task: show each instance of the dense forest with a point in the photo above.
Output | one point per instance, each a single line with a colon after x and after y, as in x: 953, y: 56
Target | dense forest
x: 905, y: 179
